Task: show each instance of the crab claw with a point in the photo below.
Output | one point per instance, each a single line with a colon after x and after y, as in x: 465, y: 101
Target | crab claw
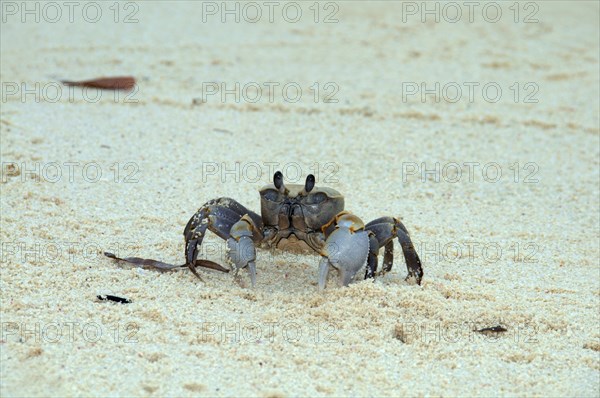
x: 346, y: 250
x: 241, y: 251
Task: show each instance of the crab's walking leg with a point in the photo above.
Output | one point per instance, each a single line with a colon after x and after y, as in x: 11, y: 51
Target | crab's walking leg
x: 346, y: 249
x: 372, y: 259
x: 218, y: 216
x: 385, y: 230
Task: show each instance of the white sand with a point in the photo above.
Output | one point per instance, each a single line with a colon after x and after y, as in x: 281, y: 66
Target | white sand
x: 221, y: 339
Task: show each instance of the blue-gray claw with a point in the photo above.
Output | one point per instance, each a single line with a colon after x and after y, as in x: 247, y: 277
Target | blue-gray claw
x: 346, y: 250
x: 241, y: 252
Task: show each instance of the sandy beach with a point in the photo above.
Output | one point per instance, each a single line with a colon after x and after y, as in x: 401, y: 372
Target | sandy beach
x: 479, y: 128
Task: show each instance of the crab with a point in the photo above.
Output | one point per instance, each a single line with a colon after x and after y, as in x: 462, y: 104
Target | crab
x: 295, y: 217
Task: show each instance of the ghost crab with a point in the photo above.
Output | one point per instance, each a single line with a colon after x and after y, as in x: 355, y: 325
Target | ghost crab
x: 301, y: 217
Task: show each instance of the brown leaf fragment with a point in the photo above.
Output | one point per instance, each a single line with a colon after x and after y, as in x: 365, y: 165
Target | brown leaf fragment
x: 105, y: 83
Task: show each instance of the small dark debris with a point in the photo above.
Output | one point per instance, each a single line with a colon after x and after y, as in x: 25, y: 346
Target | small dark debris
x: 494, y: 329
x: 117, y: 299
x: 223, y: 131
x: 399, y: 333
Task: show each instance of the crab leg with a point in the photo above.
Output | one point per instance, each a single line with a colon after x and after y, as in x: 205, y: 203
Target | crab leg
x: 372, y: 259
x: 385, y: 229
x: 219, y: 216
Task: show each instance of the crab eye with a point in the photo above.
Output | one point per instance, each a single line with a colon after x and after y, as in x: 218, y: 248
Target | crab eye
x: 271, y: 195
x: 317, y: 198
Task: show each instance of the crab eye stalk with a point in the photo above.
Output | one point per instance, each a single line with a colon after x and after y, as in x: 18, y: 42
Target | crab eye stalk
x: 278, y: 181
x: 310, y: 183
